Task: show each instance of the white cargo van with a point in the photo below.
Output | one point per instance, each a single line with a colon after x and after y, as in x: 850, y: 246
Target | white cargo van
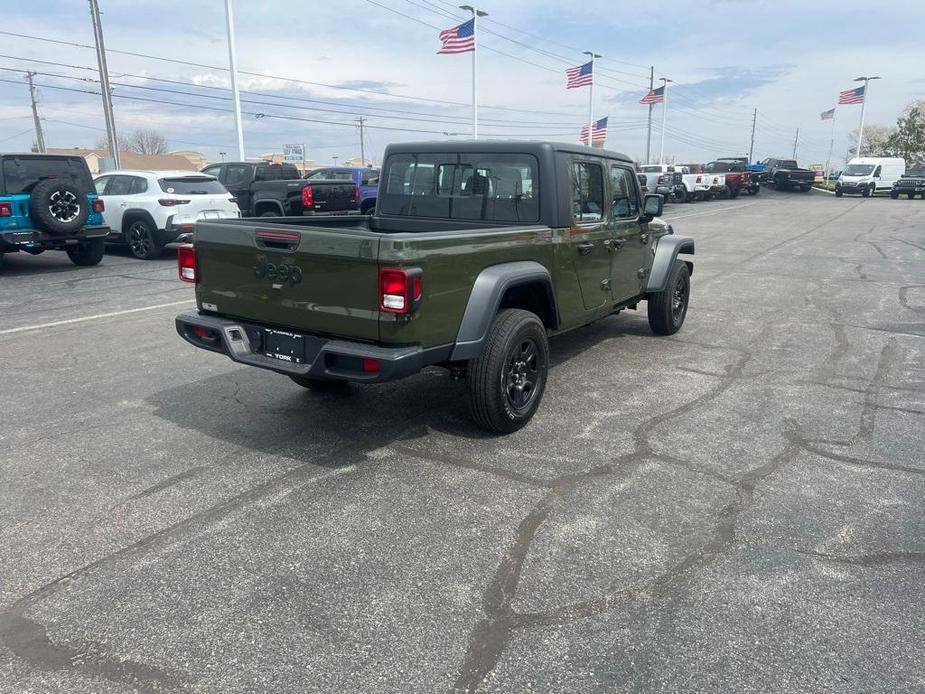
x: 868, y: 175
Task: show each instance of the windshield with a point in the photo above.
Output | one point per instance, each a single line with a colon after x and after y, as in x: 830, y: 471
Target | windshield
x: 21, y: 174
x: 490, y: 187
x: 719, y: 167
x: 858, y: 170
x: 191, y: 185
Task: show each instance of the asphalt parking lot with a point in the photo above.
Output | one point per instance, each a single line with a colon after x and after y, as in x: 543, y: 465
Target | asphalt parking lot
x: 738, y: 507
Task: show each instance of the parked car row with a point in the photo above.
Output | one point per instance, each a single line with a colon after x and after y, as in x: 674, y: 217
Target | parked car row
x: 724, y: 178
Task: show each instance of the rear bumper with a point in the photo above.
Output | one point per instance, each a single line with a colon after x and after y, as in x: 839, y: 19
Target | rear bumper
x: 324, y: 358
x: 36, y: 237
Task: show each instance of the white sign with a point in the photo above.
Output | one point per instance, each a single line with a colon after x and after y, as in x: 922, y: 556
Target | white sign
x: 294, y: 153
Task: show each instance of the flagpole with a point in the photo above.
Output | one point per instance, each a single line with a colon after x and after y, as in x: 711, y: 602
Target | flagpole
x: 866, y: 81
x: 591, y: 97
x: 476, y: 13
x: 661, y: 151
x: 828, y: 159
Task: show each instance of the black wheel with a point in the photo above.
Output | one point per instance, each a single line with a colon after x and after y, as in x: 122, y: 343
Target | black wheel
x: 688, y: 196
x: 911, y: 196
x: 368, y: 208
x: 733, y: 192
x: 141, y: 240
x: 838, y: 193
x: 321, y: 386
x: 668, y: 308
x: 270, y: 213
x: 895, y: 196
x: 87, y: 253
x: 59, y: 207
x: 753, y: 191
x: 505, y: 383
x: 805, y: 189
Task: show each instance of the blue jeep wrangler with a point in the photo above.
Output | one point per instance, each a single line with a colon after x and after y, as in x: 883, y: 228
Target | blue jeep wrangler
x: 48, y: 202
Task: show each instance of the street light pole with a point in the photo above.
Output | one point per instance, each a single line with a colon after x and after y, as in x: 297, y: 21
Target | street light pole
x: 476, y: 13
x: 651, y: 106
x: 233, y: 64
x: 591, y: 100
x: 866, y: 81
x: 661, y: 151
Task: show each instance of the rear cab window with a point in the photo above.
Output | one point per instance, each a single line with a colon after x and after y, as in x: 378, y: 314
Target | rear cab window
x: 587, y: 192
x: 21, y: 174
x: 191, y: 185
x: 493, y: 187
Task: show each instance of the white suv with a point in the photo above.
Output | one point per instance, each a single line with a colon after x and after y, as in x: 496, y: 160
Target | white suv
x: 147, y: 209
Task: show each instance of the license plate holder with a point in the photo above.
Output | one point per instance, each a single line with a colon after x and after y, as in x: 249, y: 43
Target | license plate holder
x: 284, y: 346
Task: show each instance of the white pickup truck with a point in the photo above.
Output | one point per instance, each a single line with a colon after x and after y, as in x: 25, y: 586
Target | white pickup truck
x: 676, y: 182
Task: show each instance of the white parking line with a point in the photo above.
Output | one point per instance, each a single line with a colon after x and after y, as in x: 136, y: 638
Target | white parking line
x: 54, y: 324
x: 713, y: 211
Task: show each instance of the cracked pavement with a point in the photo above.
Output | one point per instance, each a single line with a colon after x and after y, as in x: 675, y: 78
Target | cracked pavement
x: 738, y: 507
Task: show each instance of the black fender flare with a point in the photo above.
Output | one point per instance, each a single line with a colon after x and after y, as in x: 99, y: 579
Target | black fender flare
x: 255, y: 205
x: 665, y: 252
x: 133, y: 213
x: 485, y: 299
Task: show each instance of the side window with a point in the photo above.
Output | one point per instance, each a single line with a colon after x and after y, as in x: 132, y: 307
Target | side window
x: 139, y: 185
x: 100, y: 184
x: 120, y: 185
x: 877, y: 172
x: 212, y: 171
x: 370, y: 178
x: 623, y: 189
x: 315, y: 175
x: 587, y: 192
x: 237, y: 175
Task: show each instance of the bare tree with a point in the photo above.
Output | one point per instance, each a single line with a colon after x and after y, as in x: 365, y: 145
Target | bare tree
x: 139, y: 142
x: 876, y: 138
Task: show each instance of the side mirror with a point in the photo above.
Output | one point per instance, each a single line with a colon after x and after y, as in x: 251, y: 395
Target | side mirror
x: 652, y: 207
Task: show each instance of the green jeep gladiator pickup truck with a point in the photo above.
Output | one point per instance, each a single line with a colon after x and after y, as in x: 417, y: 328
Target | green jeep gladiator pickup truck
x: 476, y: 253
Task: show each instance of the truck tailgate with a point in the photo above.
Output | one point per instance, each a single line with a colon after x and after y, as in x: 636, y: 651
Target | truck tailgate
x: 312, y: 279
x: 334, y: 196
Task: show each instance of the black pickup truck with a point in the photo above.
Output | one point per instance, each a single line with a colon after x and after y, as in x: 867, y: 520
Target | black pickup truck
x: 262, y: 189
x: 786, y: 174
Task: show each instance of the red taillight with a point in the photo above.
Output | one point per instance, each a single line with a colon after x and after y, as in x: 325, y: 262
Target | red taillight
x: 6, y: 209
x: 699, y: 179
x: 371, y: 366
x: 400, y: 290
x: 186, y: 262
x: 308, y: 197
x: 99, y: 205
x: 172, y: 202
x: 356, y: 194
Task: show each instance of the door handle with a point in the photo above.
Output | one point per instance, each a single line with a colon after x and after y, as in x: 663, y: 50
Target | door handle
x: 123, y: 204
x: 585, y: 248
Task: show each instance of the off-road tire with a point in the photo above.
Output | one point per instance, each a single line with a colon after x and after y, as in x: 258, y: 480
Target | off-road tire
x: 140, y: 235
x: 492, y: 377
x: 665, y: 316
x: 59, y: 206
x: 895, y: 196
x: 805, y: 189
x: 86, y: 253
x: 368, y: 208
x: 321, y: 386
x: 838, y: 193
x: 911, y: 196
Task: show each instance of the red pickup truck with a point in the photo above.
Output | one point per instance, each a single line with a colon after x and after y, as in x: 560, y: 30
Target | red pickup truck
x: 737, y: 178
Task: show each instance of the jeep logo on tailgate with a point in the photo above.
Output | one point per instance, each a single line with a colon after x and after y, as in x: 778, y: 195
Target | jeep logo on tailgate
x: 281, y: 272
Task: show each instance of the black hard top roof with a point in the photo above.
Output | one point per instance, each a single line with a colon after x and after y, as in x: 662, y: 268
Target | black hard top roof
x: 503, y: 146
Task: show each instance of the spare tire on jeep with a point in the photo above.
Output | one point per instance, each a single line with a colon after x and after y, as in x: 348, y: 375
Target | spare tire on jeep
x: 58, y: 206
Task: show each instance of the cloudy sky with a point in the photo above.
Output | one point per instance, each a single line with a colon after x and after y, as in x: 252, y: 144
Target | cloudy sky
x: 309, y: 68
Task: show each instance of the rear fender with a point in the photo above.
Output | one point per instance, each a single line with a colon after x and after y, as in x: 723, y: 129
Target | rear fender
x: 666, y: 251
x: 131, y: 214
x: 267, y: 204
x: 486, y: 298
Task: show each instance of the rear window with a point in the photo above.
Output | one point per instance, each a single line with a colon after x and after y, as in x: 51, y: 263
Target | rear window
x: 191, y: 185
x: 488, y: 187
x: 276, y: 172
x: 21, y: 174
x: 787, y: 164
x: 328, y: 175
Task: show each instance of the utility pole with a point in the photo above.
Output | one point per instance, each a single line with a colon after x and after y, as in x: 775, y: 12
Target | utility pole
x: 649, y: 130
x: 796, y: 139
x: 233, y: 64
x: 39, y: 136
x: 360, y: 122
x: 104, y: 84
x: 751, y: 144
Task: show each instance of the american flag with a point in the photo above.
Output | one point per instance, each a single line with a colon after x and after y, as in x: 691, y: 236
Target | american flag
x: 655, y: 96
x: 598, y: 133
x: 852, y: 96
x: 579, y: 76
x: 459, y: 39
x: 828, y: 115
